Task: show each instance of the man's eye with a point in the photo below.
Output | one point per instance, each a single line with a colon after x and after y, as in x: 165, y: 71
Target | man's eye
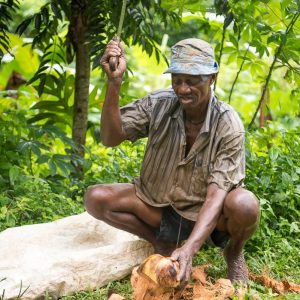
x: 192, y: 82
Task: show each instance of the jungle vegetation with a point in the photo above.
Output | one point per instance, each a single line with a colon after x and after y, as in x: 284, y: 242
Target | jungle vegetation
x: 52, y: 90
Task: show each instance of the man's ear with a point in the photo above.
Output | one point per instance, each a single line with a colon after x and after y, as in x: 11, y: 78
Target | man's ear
x: 213, y: 78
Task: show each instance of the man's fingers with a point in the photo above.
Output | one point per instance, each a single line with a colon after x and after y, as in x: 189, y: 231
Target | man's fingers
x: 188, y: 273
x: 122, y: 46
x: 182, y: 267
x: 174, y: 256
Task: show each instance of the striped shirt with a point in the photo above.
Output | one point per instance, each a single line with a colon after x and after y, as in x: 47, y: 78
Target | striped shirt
x: 170, y: 177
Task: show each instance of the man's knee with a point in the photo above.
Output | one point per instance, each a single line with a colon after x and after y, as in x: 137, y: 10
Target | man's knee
x: 242, y: 205
x: 96, y: 200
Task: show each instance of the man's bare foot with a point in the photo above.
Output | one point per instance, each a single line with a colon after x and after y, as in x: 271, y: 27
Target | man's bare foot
x: 164, y: 248
x: 236, y: 266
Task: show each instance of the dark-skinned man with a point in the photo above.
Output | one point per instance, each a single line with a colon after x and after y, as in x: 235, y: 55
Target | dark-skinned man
x: 190, y: 186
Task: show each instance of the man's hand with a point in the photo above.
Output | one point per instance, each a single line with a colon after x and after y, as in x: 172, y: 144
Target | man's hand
x: 206, y: 222
x: 114, y: 49
x: 184, y: 256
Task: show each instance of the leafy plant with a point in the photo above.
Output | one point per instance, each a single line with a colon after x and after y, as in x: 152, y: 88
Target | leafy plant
x: 273, y: 175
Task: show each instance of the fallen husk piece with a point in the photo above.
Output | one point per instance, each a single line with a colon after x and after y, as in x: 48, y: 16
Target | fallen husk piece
x: 115, y: 297
x: 155, y: 279
x: 277, y: 286
x: 205, y: 290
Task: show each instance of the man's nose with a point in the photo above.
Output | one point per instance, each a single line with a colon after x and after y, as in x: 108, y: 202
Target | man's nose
x: 184, y: 88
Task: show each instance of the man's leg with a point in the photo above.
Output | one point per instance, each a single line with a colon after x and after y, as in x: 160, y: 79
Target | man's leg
x: 240, y: 219
x: 118, y: 206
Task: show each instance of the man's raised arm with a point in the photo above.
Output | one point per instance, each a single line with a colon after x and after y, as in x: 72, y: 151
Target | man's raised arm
x: 112, y: 133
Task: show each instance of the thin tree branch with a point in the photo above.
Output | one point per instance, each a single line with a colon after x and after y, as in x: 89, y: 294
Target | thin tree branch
x: 277, y: 53
x: 237, y: 75
x: 221, y: 52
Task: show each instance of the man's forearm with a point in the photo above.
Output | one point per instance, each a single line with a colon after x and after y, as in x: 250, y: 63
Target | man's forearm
x: 111, y: 125
x: 207, y: 218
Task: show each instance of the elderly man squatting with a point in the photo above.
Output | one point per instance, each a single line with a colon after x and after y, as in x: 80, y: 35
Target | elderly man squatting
x: 190, y: 186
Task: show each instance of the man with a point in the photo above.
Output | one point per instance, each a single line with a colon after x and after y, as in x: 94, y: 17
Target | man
x: 190, y: 185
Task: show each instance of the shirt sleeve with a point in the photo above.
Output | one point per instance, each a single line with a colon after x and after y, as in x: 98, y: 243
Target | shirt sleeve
x: 228, y: 168
x: 136, y: 118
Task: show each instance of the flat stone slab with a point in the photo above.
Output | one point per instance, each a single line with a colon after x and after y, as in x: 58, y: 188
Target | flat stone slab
x: 65, y: 256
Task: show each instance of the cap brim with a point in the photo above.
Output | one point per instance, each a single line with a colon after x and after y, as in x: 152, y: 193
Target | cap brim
x: 191, y: 69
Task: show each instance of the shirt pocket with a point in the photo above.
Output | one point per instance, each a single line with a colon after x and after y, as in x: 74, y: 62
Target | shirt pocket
x: 199, y: 178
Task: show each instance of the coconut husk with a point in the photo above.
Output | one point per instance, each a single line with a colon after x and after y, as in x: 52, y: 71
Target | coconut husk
x: 279, y: 287
x: 155, y: 279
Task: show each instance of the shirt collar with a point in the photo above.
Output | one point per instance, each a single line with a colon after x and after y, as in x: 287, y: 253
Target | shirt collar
x: 207, y: 123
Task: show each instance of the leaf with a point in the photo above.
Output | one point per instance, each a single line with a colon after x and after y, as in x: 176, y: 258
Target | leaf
x: 50, y: 116
x: 41, y: 84
x: 37, y: 21
x: 286, y: 178
x: 233, y: 40
x: 294, y: 227
x: 3, y: 214
x: 228, y: 20
x: 63, y: 167
x: 231, y: 58
x: 45, y: 15
x: 56, y: 10
x: 93, y: 94
x: 5, y: 165
x: 273, y: 154
x: 52, y: 167
x: 274, y: 38
x: 14, y: 174
x: 22, y: 27
x: 47, y: 105
x: 186, y: 5
x: 69, y: 88
x: 65, y: 7
x: 42, y: 159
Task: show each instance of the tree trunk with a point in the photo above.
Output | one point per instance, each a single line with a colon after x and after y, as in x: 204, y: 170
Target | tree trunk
x: 82, y: 76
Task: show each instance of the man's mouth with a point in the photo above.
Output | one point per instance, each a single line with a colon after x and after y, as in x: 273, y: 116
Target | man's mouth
x: 185, y: 99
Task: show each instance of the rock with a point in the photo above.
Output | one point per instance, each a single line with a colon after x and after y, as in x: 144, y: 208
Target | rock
x: 68, y: 255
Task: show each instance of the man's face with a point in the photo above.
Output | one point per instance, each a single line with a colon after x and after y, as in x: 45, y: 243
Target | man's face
x: 193, y: 91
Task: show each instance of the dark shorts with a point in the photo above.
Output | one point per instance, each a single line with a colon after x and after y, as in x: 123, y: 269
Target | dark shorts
x: 170, y: 225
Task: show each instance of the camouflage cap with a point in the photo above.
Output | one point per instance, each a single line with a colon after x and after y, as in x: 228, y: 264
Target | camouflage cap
x: 193, y: 57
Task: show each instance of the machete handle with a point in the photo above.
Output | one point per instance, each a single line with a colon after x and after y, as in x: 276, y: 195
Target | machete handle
x: 114, y: 60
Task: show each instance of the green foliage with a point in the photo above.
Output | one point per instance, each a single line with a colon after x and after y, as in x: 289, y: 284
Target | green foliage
x: 37, y: 165
x: 34, y: 180
x: 7, y: 9
x: 38, y: 158
x: 273, y: 174
x: 253, y: 44
x: 31, y: 200
x: 103, y: 19
x: 33, y: 149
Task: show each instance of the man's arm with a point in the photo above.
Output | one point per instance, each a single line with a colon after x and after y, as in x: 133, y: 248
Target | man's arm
x: 112, y: 133
x: 206, y: 222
